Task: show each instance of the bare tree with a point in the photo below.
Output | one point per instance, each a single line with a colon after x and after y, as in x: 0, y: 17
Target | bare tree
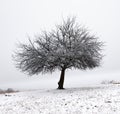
x: 68, y: 46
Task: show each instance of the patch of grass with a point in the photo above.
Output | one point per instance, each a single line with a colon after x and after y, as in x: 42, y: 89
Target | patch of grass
x: 9, y: 90
x: 110, y: 82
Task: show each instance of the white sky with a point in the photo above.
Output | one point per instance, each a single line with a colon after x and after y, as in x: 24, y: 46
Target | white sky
x: 21, y: 17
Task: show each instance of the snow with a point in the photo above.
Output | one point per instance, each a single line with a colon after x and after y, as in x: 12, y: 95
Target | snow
x: 97, y: 99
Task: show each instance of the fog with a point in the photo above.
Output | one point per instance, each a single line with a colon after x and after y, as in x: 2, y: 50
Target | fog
x: 19, y: 18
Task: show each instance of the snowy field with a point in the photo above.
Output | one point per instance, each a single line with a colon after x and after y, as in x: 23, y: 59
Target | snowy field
x: 99, y: 99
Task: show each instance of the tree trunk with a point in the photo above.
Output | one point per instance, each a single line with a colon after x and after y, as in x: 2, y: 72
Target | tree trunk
x: 61, y: 81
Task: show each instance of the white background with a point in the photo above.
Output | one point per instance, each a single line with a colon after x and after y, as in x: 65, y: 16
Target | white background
x: 19, y: 18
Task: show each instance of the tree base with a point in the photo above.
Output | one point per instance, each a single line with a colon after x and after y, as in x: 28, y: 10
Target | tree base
x: 60, y: 88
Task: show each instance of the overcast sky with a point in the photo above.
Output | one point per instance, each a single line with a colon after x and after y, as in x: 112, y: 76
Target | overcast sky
x: 19, y: 18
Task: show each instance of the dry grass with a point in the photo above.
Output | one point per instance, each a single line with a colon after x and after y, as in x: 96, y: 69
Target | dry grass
x: 9, y: 90
x: 110, y: 82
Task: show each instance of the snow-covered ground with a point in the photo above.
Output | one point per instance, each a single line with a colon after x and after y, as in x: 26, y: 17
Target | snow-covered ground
x: 100, y: 99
